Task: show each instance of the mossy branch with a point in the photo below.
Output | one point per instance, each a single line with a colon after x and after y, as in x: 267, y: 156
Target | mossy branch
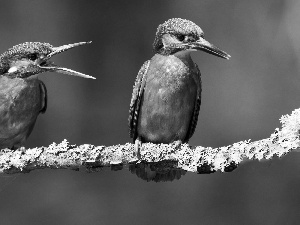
x: 67, y: 156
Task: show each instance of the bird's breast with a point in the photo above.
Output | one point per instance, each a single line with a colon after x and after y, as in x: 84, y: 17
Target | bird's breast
x: 168, y: 101
x: 20, y: 104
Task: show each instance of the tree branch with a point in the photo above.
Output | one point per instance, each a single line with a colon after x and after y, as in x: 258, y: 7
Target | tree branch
x: 65, y: 155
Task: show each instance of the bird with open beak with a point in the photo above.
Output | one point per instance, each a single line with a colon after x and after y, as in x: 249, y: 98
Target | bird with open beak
x: 22, y: 95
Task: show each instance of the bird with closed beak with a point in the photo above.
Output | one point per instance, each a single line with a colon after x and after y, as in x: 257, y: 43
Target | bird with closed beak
x: 22, y: 95
x: 166, y: 96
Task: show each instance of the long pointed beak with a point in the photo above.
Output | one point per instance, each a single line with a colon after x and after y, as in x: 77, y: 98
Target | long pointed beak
x: 205, y: 46
x: 49, y: 66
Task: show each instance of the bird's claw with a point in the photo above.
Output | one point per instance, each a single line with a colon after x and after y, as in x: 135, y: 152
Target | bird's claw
x: 137, y: 147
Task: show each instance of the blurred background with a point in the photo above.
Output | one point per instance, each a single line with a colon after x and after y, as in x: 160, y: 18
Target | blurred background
x: 243, y: 98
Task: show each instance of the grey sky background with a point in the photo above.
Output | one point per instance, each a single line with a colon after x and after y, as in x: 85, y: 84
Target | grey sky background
x: 243, y: 98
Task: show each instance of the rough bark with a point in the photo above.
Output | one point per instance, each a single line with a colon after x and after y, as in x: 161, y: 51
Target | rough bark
x: 183, y: 156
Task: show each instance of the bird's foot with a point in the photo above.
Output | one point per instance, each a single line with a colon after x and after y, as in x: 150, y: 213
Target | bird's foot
x: 177, y: 144
x: 137, y: 147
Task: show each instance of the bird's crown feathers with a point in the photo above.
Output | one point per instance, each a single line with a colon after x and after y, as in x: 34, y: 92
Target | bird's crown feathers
x: 27, y: 48
x: 176, y: 26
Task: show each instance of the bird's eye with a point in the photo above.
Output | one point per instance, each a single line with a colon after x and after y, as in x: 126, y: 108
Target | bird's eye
x: 32, y: 56
x: 180, y: 37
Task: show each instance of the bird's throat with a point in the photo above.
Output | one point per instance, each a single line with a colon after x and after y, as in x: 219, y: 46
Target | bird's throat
x: 185, y: 57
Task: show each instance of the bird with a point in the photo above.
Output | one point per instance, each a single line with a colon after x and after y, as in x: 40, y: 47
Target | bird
x: 166, y: 96
x: 22, y: 95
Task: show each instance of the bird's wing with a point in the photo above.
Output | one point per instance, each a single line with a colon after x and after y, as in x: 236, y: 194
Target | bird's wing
x: 43, y: 91
x: 135, y: 103
x: 194, y: 119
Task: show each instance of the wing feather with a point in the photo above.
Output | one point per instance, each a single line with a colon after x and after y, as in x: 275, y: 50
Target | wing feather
x: 44, y: 100
x: 136, y: 98
x: 194, y: 119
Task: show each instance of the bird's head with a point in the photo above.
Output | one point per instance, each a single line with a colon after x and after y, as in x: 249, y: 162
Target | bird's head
x: 32, y: 58
x: 176, y: 35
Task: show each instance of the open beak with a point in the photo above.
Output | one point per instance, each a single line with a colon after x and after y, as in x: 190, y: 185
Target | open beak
x: 49, y: 66
x: 205, y: 46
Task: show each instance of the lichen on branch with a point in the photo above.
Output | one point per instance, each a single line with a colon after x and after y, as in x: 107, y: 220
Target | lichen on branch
x: 67, y: 156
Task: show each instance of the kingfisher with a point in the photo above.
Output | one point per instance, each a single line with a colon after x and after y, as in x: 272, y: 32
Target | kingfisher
x: 22, y: 95
x: 166, y: 96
